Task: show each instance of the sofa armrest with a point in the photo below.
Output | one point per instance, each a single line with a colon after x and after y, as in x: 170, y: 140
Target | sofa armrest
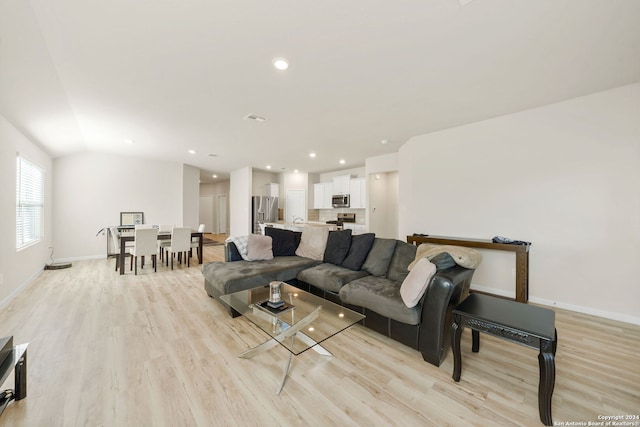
x: 231, y: 252
x: 446, y: 290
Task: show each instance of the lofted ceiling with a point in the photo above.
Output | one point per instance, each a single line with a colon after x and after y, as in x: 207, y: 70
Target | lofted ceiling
x: 85, y: 75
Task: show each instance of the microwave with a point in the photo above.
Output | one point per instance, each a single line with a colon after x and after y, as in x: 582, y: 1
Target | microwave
x: 340, y: 201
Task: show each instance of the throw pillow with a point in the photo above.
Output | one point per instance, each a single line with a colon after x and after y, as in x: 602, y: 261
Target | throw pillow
x: 284, y: 241
x: 259, y: 247
x: 360, y: 247
x: 415, y: 284
x: 338, y: 245
x: 313, y: 242
x: 241, y: 244
x: 379, y: 257
x: 443, y: 261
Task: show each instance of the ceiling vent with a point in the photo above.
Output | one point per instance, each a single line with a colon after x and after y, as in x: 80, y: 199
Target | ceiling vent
x: 255, y: 117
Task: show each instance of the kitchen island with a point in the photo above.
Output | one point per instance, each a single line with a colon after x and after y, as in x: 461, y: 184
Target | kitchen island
x: 296, y: 226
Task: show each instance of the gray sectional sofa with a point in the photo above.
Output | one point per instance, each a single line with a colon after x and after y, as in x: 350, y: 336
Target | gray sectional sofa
x: 370, y: 285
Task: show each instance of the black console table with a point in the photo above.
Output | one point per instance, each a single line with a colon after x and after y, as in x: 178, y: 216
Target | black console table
x: 530, y: 326
x: 522, y: 256
x: 13, y: 357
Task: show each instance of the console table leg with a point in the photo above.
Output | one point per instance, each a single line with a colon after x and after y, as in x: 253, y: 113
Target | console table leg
x: 21, y: 377
x: 456, y: 333
x: 547, y: 382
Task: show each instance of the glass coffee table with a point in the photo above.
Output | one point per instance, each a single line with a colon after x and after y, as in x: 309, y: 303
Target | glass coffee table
x: 310, y: 321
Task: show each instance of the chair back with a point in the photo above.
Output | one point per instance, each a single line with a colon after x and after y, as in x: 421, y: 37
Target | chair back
x: 201, y: 228
x: 138, y: 226
x: 145, y: 241
x: 181, y: 239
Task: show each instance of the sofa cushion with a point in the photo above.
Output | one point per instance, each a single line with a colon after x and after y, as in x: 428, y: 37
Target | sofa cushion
x: 377, y: 262
x: 313, y: 242
x: 329, y: 276
x: 360, y: 247
x: 259, y: 247
x: 403, y: 255
x: 284, y: 241
x: 228, y: 277
x: 415, y: 284
x: 381, y: 295
x: 338, y: 245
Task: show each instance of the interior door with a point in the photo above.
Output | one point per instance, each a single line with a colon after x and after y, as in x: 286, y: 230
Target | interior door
x: 205, y: 214
x: 296, y: 206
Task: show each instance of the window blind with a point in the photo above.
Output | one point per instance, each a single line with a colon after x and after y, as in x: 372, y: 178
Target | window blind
x: 29, y: 203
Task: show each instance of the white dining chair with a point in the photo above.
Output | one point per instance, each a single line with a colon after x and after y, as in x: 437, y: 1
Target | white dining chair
x: 180, y: 244
x: 145, y: 243
x: 195, y: 242
x: 162, y: 244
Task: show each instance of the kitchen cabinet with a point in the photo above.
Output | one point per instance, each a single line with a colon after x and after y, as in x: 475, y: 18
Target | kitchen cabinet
x: 322, y: 193
x: 272, y: 189
x: 355, y: 228
x: 358, y: 191
x: 341, y: 184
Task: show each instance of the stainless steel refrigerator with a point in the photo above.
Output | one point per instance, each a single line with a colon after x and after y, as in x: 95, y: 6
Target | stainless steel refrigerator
x: 263, y: 209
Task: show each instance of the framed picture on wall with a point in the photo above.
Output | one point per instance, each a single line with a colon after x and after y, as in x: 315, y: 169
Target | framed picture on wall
x: 131, y: 218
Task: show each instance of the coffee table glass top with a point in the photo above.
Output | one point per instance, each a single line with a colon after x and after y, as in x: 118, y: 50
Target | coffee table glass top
x: 315, y: 318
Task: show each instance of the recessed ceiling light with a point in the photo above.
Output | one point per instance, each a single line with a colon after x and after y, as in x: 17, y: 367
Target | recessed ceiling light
x: 268, y: 166
x: 280, y: 63
x: 192, y: 151
x: 384, y: 141
x: 312, y: 155
x: 295, y: 171
x: 343, y: 161
x: 129, y: 141
x: 214, y: 176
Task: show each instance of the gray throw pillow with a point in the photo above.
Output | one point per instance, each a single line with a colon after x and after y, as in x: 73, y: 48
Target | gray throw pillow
x: 404, y: 255
x: 443, y: 261
x: 379, y: 257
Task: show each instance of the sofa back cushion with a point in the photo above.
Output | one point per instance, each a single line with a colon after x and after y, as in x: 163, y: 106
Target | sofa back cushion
x: 377, y: 262
x: 338, y: 245
x: 283, y: 241
x: 313, y: 242
x: 403, y: 255
x: 360, y: 247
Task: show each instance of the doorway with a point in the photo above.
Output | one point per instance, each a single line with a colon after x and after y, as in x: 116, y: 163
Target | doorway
x: 295, y: 206
x: 206, y: 212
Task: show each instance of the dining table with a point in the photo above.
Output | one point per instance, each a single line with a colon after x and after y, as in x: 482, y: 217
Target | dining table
x: 128, y: 236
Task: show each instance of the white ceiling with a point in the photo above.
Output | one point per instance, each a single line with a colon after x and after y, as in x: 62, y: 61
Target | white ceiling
x: 174, y: 75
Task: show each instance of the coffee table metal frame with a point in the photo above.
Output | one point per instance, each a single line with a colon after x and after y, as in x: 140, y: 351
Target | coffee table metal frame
x: 311, y: 321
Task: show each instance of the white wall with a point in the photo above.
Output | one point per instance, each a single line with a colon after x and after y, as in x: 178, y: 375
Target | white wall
x: 190, y: 196
x: 17, y: 269
x: 564, y: 177
x: 91, y: 189
x: 240, y: 202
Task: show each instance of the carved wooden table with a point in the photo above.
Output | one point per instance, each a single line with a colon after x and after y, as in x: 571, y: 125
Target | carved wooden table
x: 530, y: 326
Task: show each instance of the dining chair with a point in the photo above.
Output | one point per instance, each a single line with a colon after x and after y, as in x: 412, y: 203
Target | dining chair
x: 115, y: 240
x: 162, y: 244
x: 195, y: 242
x: 180, y: 244
x: 144, y: 243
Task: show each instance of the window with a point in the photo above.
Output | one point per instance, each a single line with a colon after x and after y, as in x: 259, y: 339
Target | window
x: 29, y: 203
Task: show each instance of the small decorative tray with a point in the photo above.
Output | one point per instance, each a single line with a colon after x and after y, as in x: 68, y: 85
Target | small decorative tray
x: 275, y: 310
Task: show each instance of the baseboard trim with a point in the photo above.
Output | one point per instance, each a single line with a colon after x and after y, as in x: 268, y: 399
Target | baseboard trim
x: 634, y: 320
x: 7, y: 300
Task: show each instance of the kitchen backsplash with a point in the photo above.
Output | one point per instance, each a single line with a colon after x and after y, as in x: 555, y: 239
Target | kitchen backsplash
x: 332, y: 214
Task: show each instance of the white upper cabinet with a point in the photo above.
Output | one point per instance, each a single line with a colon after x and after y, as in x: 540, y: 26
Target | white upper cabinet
x: 342, y: 184
x: 322, y: 193
x: 358, y: 191
x: 272, y: 189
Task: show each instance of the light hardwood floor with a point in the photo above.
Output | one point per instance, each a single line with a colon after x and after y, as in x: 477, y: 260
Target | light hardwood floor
x: 155, y: 350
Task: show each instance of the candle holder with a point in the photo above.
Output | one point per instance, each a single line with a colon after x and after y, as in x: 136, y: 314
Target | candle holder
x: 275, y: 292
